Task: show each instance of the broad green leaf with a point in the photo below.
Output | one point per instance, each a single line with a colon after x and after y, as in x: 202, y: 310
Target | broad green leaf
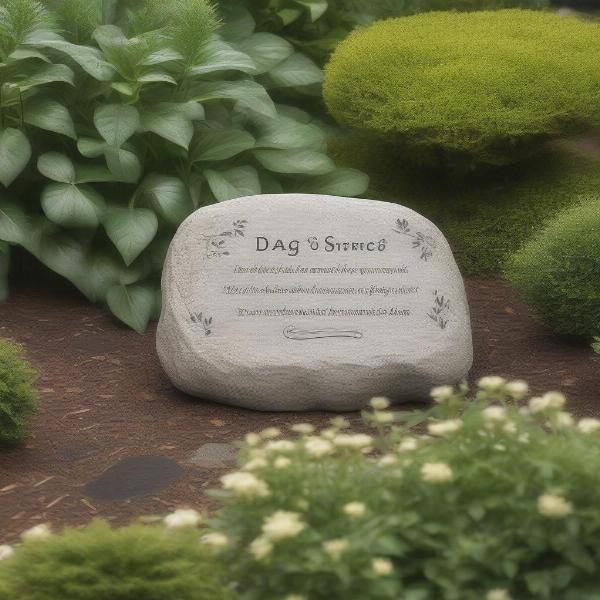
x: 194, y: 111
x: 27, y: 53
x: 297, y: 70
x: 91, y: 148
x: 127, y: 89
x: 307, y: 162
x: 266, y: 50
x: 62, y: 254
x: 102, y: 272
x: 50, y: 115
x: 4, y: 268
x: 156, y: 77
x: 130, y: 230
x: 88, y: 58
x: 221, y: 144
x: 239, y: 24
x: 270, y: 185
x: 47, y: 74
x: 289, y: 15
x: 70, y: 205
x: 316, y: 8
x: 161, y: 56
x: 57, y: 167
x: 15, y: 152
x: 287, y: 133
x: 169, y: 121
x: 92, y: 174
x: 169, y: 197
x: 116, y: 123
x: 341, y: 182
x: 14, y: 224
x: 132, y: 304
x: 233, y: 183
x: 220, y: 56
x: 123, y: 164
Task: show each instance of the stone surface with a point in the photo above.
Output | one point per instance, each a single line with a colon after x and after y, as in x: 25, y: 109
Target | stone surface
x: 213, y: 455
x: 302, y: 302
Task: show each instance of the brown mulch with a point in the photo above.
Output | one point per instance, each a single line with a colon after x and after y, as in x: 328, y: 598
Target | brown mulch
x: 106, y: 399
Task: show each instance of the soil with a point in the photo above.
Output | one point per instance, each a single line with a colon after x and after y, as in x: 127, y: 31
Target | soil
x: 106, y: 405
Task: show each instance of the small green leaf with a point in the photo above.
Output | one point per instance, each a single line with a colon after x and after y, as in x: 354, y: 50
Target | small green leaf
x: 307, y: 162
x: 316, y: 8
x: 220, y: 56
x: 341, y: 182
x: 297, y: 70
x: 116, y: 123
x: 88, y: 58
x: 222, y: 144
x: 233, y: 183
x: 15, y: 152
x: 285, y: 133
x: 169, y: 197
x: 47, y: 74
x: 57, y: 167
x: 123, y: 164
x: 130, y: 230
x: 27, y: 53
x: 132, y: 304
x: 169, y: 121
x: 156, y: 77
x: 239, y: 24
x: 92, y: 174
x: 289, y: 15
x: 14, y: 223
x: 91, y: 148
x: 266, y: 50
x: 71, y: 205
x: 50, y: 115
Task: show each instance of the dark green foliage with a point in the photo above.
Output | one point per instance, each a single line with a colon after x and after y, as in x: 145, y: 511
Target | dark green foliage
x: 486, y: 218
x: 138, y: 562
x: 487, y: 91
x: 558, y: 271
x: 18, y: 400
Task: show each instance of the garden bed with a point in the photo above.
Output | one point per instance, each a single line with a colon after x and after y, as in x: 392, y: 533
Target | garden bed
x: 105, y: 399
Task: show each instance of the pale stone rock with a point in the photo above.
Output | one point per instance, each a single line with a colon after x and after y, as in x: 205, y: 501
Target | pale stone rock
x: 308, y: 302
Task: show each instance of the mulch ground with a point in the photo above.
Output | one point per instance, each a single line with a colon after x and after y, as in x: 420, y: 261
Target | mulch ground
x: 106, y: 402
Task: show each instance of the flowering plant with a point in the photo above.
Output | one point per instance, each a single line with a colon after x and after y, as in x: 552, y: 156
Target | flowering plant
x: 490, y: 501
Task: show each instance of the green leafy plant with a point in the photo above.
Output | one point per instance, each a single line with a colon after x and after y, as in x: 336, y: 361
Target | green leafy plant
x: 119, y: 118
x: 18, y: 400
x: 596, y: 345
x: 131, y: 563
x: 559, y: 270
x: 480, y: 94
x: 494, y: 502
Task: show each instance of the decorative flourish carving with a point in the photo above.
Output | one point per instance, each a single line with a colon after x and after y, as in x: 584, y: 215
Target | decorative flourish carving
x: 293, y: 333
x: 216, y: 245
x: 440, y: 310
x: 425, y: 243
x: 201, y: 320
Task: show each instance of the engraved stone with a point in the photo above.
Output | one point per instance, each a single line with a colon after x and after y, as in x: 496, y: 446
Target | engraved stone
x: 308, y: 302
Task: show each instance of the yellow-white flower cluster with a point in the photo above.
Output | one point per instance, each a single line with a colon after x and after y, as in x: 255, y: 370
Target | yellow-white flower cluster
x: 182, y: 518
x: 443, y: 428
x: 549, y: 401
x: 437, y: 472
x: 554, y: 506
x: 245, y: 485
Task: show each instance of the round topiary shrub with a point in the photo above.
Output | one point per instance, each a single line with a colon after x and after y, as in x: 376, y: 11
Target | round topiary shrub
x: 17, y: 397
x: 558, y: 272
x: 467, y: 88
x: 138, y: 562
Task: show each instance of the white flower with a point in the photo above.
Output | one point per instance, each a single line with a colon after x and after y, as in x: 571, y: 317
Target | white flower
x: 269, y: 433
x: 523, y: 438
x: 261, y: 547
x: 538, y: 404
x: 491, y: 383
x: 436, y: 472
x: 383, y: 417
x: 386, y: 460
x: 335, y: 548
x: 564, y: 419
x: 283, y: 524
x: 329, y: 433
x: 497, y: 594
x: 6, y: 552
x: 295, y: 597
x: 588, y: 425
x: 254, y: 464
x: 245, y: 484
x: 509, y: 427
x: 282, y: 462
x: 303, y: 428
x: 444, y: 427
x: 442, y: 393
x: 37, y: 533
x: 382, y: 566
x: 317, y: 446
x: 554, y: 506
x: 183, y: 517
x: 252, y: 439
x: 517, y: 388
x: 494, y: 413
x: 280, y: 446
x: 500, y: 447
x: 379, y: 403
x: 215, y: 539
x: 407, y: 445
x: 356, y: 441
x: 555, y: 400
x: 355, y: 509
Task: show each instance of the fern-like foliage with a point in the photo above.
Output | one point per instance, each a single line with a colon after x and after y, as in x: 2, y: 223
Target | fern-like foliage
x: 20, y: 22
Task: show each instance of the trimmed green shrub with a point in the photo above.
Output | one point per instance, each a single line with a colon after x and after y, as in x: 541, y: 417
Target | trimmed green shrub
x: 493, y: 504
x: 18, y: 400
x: 135, y: 114
x: 558, y: 271
x: 138, y: 562
x: 487, y: 90
x: 486, y: 219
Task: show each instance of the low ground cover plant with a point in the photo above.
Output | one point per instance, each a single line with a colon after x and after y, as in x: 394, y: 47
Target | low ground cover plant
x: 120, y: 118
x: 492, y: 502
x: 489, y: 91
x: 558, y: 271
x: 138, y: 562
x: 18, y: 399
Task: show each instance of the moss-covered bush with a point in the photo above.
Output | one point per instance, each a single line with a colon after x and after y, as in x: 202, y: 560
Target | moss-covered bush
x: 138, y: 562
x: 493, y: 504
x: 459, y: 89
x: 18, y: 400
x: 558, y: 271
